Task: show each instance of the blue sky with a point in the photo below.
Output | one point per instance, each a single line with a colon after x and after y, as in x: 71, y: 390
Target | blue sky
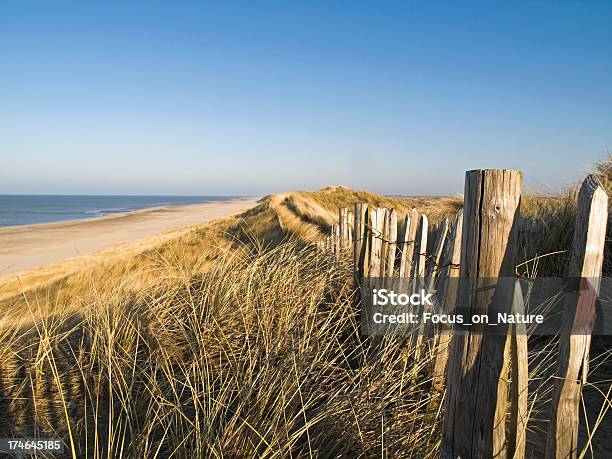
x: 257, y: 97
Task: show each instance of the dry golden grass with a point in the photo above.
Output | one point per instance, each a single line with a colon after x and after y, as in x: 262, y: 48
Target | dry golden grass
x: 235, y: 339
x: 260, y: 356
x: 549, y: 252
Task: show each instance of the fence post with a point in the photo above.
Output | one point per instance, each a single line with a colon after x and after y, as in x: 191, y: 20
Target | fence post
x: 420, y: 252
x: 450, y: 269
x: 408, y: 239
x: 420, y: 257
x: 384, y: 233
x: 391, y: 238
x: 377, y: 218
x: 519, y: 384
x: 402, y: 240
x: 337, y: 246
x: 434, y: 262
x: 585, y: 268
x: 476, y: 401
x: 359, y: 235
x: 343, y: 226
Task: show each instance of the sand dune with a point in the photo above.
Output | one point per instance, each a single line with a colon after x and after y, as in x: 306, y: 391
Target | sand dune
x: 30, y: 246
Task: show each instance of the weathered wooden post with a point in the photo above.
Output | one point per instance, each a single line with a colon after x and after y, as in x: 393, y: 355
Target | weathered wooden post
x: 439, y: 236
x: 579, y: 315
x: 391, y: 237
x: 420, y: 257
x: 359, y: 240
x: 343, y: 226
x: 402, y: 242
x: 349, y: 228
x: 408, y: 238
x: 420, y: 253
x: 384, y: 236
x: 377, y: 219
x: 436, y: 253
x: 336, y: 236
x: 449, y: 275
x: 476, y: 399
x: 519, y: 385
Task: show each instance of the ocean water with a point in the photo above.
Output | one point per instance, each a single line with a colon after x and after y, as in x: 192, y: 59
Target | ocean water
x: 27, y: 209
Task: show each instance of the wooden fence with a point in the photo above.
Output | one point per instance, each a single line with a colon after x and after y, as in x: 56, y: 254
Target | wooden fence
x: 485, y: 410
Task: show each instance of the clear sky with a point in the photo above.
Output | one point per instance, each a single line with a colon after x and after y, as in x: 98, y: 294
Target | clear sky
x: 179, y: 97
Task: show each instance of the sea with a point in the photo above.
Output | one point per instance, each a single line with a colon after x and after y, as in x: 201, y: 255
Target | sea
x: 27, y: 209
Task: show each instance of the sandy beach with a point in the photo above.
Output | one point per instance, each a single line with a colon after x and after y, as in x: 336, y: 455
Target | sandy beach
x: 30, y: 246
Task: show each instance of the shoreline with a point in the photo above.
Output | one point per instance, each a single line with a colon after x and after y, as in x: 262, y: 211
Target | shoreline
x: 108, y: 215
x: 36, y: 245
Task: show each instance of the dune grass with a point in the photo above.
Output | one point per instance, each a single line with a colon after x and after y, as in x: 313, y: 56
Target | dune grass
x: 260, y: 356
x: 548, y: 254
x: 239, y: 339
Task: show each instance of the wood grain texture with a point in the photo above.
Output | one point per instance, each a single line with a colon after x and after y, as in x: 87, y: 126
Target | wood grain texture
x: 408, y: 250
x: 384, y: 236
x: 420, y: 259
x: 336, y: 235
x: 473, y: 425
x: 519, y: 363
x: 391, y: 237
x: 343, y: 226
x: 402, y: 240
x: 584, y: 276
x: 359, y: 236
x: 377, y: 217
x: 450, y: 269
x: 436, y: 253
x: 420, y: 251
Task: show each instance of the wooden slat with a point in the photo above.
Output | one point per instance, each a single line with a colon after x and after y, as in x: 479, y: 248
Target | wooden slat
x: 420, y: 252
x: 376, y: 227
x: 517, y: 425
x: 476, y: 398
x: 343, y: 226
x: 584, y: 272
x: 385, y: 242
x: 391, y: 236
x: 336, y: 237
x: 360, y: 213
x: 420, y: 257
x: 412, y: 221
x: 402, y: 240
x: 436, y: 254
x: 349, y: 228
x: 450, y: 269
